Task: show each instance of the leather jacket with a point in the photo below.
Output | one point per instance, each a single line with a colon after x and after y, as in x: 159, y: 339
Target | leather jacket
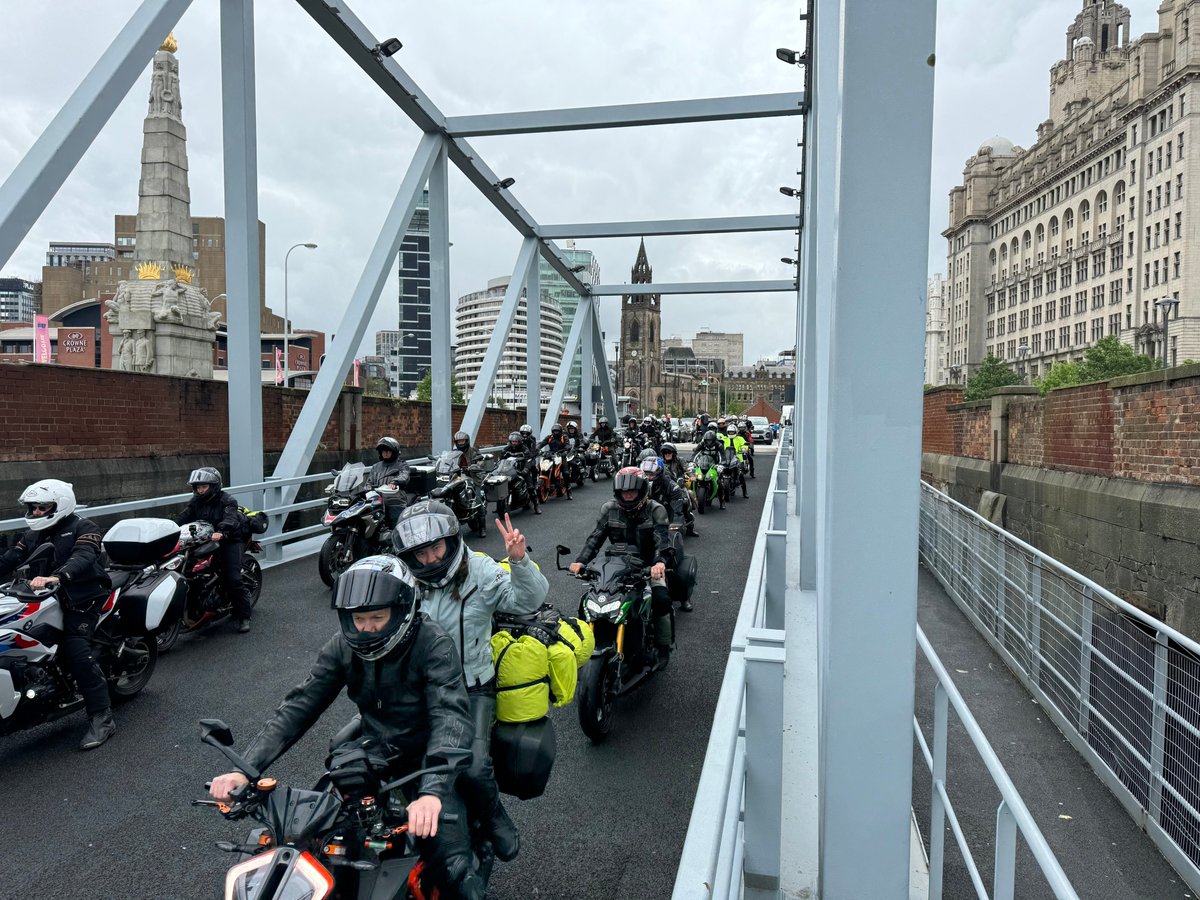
x: 395, y: 470
x: 559, y: 445
x: 220, y: 510
x: 464, y: 607
x: 666, y: 491
x: 413, y: 704
x: 647, y: 529
x: 76, y: 560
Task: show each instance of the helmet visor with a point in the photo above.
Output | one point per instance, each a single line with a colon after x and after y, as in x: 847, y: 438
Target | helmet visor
x: 426, y: 527
x: 360, y: 589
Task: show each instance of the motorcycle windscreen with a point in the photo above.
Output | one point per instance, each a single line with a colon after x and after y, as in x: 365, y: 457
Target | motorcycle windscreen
x: 448, y: 463
x: 352, y: 476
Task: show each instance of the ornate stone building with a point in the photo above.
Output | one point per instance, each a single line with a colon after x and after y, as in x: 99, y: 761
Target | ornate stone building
x: 1080, y: 236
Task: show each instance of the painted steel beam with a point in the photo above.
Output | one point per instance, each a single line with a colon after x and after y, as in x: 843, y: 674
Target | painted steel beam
x: 587, y: 381
x: 533, y: 347
x: 628, y: 115
x: 310, y: 424
x: 574, y: 340
x: 440, y: 363
x: 242, y: 250
x: 718, y: 225
x: 41, y: 172
x: 491, y: 359
x: 607, y: 393
x: 349, y: 33
x: 698, y: 287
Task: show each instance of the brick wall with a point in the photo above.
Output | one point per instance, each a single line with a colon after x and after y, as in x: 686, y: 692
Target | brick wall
x: 1157, y: 431
x: 975, y: 430
x: 938, y: 426
x: 50, y: 412
x: 1025, y: 425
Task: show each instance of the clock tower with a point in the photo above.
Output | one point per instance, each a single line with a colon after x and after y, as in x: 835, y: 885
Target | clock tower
x: 640, y: 362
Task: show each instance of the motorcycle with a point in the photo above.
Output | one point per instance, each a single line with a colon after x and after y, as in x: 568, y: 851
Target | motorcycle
x: 195, y: 558
x: 551, y: 477
x: 347, y: 837
x: 631, y: 446
x: 357, y: 519
x: 508, y: 487
x: 34, y: 686
x: 598, y: 460
x: 618, y: 607
x: 460, y: 490
x: 706, y: 476
x: 736, y: 469
x: 573, y: 466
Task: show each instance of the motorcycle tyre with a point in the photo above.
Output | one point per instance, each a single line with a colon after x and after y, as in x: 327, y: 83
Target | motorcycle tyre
x: 702, y: 500
x: 596, y: 712
x: 252, y: 579
x: 120, y: 693
x: 166, y: 636
x: 325, y: 560
x: 592, y: 474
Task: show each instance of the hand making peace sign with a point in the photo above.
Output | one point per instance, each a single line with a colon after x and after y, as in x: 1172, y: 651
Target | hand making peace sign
x: 514, y: 541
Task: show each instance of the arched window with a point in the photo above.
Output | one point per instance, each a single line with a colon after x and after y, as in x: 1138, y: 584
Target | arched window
x: 1027, y: 240
x: 1101, y: 203
x: 651, y: 334
x: 1085, y: 212
x: 1068, y: 220
x: 1004, y: 254
x: 1041, y: 234
x: 992, y: 258
x: 634, y: 332
x: 1119, y: 193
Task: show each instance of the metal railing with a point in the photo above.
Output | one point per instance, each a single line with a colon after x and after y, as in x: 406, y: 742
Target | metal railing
x: 1123, y: 687
x: 1011, y: 815
x: 733, y: 837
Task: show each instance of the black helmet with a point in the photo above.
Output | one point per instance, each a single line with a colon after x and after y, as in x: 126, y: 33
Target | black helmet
x: 668, y: 447
x: 422, y: 525
x: 556, y: 428
x: 388, y: 443
x: 630, y: 479
x: 464, y: 438
x: 526, y: 429
x: 372, y: 584
x: 710, y: 436
x: 648, y: 453
x: 205, y: 475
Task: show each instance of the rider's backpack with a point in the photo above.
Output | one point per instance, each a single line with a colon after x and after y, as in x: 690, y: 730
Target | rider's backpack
x: 256, y: 522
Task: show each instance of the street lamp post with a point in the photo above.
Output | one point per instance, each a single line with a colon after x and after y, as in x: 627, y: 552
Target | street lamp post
x: 1022, y: 352
x: 287, y: 324
x: 1166, y: 304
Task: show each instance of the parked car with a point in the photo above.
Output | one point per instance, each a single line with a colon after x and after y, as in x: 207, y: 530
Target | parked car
x: 761, y: 430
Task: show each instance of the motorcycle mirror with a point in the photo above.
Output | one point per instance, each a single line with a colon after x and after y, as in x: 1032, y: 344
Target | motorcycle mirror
x: 217, y: 730
x: 562, y: 550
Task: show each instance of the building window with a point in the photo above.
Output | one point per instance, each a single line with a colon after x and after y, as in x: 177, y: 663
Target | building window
x: 1064, y: 336
x: 1037, y: 315
x: 1114, y: 324
x: 1175, y: 269
x: 1064, y: 306
x: 1081, y: 301
x: 1049, y: 341
x: 1050, y: 311
x: 1097, y: 296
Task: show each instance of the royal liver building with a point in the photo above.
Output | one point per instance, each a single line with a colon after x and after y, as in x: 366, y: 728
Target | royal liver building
x: 1092, y: 231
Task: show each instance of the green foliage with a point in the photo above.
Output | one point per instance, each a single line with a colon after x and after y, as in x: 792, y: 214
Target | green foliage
x: 425, y: 389
x: 992, y: 373
x: 1063, y: 374
x: 1105, y: 359
x: 736, y: 407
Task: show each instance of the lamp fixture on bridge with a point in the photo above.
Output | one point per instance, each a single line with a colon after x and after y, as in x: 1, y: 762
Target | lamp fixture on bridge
x: 791, y: 57
x: 790, y: 192
x: 504, y: 183
x: 578, y: 268
x: 387, y: 48
x: 786, y: 260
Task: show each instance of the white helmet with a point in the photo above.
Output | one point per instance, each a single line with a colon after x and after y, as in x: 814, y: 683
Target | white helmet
x: 58, y: 495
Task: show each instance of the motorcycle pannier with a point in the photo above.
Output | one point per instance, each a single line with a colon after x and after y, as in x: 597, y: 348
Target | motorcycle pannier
x: 522, y: 756
x: 140, y: 542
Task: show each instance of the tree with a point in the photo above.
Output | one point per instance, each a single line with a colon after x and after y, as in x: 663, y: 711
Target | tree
x: 992, y: 373
x: 1063, y: 374
x: 1105, y: 359
x: 425, y: 389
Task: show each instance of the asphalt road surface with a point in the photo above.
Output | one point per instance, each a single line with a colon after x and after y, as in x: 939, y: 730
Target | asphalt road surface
x: 116, y: 822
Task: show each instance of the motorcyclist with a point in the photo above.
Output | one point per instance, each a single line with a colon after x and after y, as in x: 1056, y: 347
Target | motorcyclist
x: 650, y: 432
x: 528, y: 437
x: 470, y: 456
x: 390, y: 470
x: 675, y: 470
x: 557, y: 442
x: 516, y: 448
x: 603, y: 432
x: 75, y: 568
x: 632, y: 518
x: 220, y: 510
x: 461, y: 591
x: 745, y: 432
x: 736, y: 447
x: 403, y: 673
x: 574, y: 436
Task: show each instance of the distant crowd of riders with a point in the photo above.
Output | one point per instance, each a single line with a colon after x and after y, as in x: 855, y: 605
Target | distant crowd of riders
x: 416, y: 610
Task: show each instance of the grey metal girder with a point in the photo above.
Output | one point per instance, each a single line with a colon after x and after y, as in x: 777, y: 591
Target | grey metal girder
x: 310, y: 424
x: 607, y: 394
x: 533, y: 346
x: 43, y: 169
x: 717, y: 225
x: 491, y: 359
x: 627, y: 115
x: 440, y: 364
x: 697, y: 287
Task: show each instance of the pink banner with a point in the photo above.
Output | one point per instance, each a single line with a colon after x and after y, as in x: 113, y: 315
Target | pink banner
x: 41, y: 339
x: 356, y: 364
x: 278, y: 366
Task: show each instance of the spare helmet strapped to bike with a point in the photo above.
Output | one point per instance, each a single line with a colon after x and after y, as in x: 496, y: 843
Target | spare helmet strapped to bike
x: 205, y: 475
x: 59, y: 496
x: 375, y: 583
x: 388, y: 443
x: 630, y: 479
x: 422, y: 525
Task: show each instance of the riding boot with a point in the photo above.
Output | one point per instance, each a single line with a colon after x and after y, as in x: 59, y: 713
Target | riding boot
x: 506, y: 840
x: 102, y: 727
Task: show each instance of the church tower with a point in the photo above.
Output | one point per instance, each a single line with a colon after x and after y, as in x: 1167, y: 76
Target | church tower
x: 640, y: 361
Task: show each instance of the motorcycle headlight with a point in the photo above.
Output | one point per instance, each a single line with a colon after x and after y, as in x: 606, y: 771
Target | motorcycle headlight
x: 720, y: 470
x: 173, y: 563
x: 603, y: 605
x: 306, y: 878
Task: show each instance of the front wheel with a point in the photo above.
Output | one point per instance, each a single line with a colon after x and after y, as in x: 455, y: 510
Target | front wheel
x: 133, y: 668
x: 592, y: 474
x: 595, y: 699
x: 332, y: 560
x: 702, y: 498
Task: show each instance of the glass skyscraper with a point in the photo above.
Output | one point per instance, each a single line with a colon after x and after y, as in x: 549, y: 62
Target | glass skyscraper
x: 554, y: 287
x: 410, y: 351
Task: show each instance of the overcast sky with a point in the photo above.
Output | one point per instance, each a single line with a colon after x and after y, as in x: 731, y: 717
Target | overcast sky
x: 332, y: 149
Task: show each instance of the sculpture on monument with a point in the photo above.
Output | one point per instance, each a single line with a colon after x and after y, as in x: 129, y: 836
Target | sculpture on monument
x: 160, y: 321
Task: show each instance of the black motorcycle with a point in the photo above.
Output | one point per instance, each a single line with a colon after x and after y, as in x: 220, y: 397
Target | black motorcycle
x: 461, y: 490
x: 347, y: 837
x: 573, y: 469
x: 631, y: 446
x: 617, y: 605
x: 195, y: 558
x: 357, y: 519
x: 508, y: 487
x: 735, y: 472
x: 598, y: 459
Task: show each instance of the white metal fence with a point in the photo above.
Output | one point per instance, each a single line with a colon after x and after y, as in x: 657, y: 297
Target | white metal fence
x: 1123, y: 687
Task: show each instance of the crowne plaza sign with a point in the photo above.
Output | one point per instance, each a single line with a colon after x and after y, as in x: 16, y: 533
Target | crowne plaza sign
x: 76, y: 347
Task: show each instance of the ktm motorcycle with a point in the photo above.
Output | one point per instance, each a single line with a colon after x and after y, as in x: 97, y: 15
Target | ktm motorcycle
x: 35, y: 685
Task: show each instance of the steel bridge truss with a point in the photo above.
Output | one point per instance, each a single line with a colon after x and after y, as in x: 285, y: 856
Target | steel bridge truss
x: 46, y: 166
